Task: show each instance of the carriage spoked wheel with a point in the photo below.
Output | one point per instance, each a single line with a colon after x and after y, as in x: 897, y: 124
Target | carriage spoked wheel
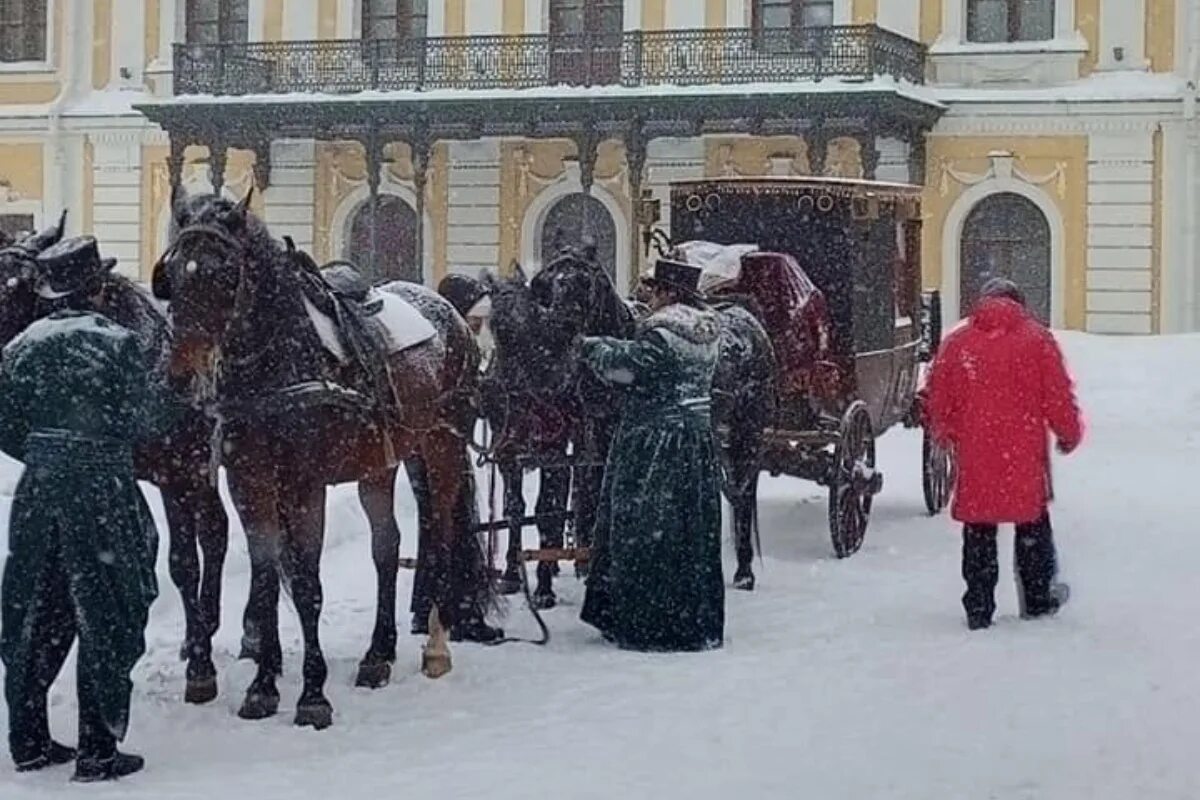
x: 853, y: 481
x: 937, y: 475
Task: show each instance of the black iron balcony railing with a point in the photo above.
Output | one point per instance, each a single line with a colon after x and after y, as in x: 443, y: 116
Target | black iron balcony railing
x: 630, y: 59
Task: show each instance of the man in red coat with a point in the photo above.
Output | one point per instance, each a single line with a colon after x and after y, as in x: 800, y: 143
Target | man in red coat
x: 996, y: 386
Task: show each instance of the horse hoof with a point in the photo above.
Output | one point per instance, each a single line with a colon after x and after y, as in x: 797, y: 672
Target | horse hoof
x: 479, y: 632
x: 744, y: 582
x: 317, y: 716
x: 259, y: 706
x: 373, y: 675
x: 508, y: 586
x: 435, y: 665
x: 200, y: 691
x: 544, y: 601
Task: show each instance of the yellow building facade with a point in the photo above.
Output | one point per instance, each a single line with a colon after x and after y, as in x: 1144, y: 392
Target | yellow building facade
x: 1064, y: 151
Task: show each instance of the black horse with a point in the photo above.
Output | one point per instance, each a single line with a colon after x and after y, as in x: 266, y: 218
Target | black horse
x: 540, y: 387
x: 178, y: 463
x: 296, y: 419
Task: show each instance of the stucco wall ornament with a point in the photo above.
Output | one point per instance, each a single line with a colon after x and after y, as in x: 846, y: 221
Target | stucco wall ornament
x: 1004, y: 168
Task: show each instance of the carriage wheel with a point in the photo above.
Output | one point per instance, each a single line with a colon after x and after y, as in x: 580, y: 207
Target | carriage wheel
x: 853, y: 481
x: 937, y: 475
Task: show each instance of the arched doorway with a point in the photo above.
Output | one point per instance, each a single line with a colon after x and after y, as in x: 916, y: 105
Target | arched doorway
x: 396, y: 241
x: 574, y: 216
x: 1006, y: 235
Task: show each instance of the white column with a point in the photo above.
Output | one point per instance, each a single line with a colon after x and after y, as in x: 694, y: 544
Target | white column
x: 901, y: 16
x: 535, y: 19
x: 737, y: 14
x: 1064, y: 20
x: 633, y: 15
x: 437, y: 17
x: 473, y: 213
x: 128, y: 26
x: 893, y: 160
x: 289, y: 199
x: 484, y: 17
x: 843, y: 13
x: 255, y: 20
x: 1120, y: 231
x: 349, y: 21
x: 684, y: 15
x: 116, y: 203
x: 1123, y: 26
x: 954, y: 24
x: 1176, y: 260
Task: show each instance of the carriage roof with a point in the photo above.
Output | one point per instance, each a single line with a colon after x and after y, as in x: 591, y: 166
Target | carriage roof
x: 800, y: 183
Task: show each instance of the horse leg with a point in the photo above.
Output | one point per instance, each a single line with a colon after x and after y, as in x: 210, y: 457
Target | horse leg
x: 514, y: 511
x: 551, y: 506
x: 422, y: 591
x: 184, y: 565
x: 460, y: 577
x: 376, y: 495
x: 212, y: 529
x: 597, y: 437
x: 745, y: 511
x: 254, y: 497
x: 303, y: 514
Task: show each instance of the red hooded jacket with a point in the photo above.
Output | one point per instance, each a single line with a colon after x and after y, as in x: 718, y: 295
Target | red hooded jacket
x: 996, y: 385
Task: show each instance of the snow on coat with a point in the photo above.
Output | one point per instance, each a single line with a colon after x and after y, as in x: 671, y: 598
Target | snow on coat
x: 997, y: 386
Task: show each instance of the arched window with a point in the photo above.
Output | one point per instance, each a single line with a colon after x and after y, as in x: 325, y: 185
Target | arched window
x: 217, y: 21
x: 585, y: 41
x: 574, y: 217
x: 396, y: 256
x: 22, y: 30
x: 395, y: 19
x: 1006, y: 235
x: 1010, y: 20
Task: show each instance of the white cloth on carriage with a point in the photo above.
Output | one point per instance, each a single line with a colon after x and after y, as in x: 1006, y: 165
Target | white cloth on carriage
x: 401, y: 324
x: 720, y: 264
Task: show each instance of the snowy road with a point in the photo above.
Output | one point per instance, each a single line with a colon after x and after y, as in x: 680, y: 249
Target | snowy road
x: 854, y: 679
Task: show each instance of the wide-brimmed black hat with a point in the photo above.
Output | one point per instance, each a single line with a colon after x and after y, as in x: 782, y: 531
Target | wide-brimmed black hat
x: 677, y: 275
x: 71, y: 265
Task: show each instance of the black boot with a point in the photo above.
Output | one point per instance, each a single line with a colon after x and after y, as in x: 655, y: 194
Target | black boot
x: 118, y: 765
x: 475, y: 631
x: 52, y: 755
x: 980, y: 570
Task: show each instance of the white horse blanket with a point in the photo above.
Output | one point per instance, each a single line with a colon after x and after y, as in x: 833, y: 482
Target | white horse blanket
x: 401, y: 325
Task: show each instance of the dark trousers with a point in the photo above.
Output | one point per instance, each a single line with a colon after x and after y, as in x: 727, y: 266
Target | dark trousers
x: 52, y: 628
x: 1036, y: 564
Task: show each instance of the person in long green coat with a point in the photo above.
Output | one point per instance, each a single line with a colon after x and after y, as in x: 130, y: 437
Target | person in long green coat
x: 75, y: 395
x: 655, y: 582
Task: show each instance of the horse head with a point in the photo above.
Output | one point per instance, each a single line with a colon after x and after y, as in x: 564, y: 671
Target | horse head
x: 580, y: 295
x: 19, y: 276
x: 203, y: 274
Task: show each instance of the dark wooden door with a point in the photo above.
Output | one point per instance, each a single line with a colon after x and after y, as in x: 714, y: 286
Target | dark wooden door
x: 585, y: 41
x: 396, y: 256
x: 1007, y: 236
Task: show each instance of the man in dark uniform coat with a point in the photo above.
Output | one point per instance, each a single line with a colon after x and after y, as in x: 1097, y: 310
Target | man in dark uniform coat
x: 74, y: 397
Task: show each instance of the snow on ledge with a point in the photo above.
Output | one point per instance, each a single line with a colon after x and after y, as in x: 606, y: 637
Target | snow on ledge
x: 829, y: 85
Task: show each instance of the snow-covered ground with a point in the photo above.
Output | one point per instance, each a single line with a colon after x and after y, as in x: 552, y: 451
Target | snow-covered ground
x: 853, y: 679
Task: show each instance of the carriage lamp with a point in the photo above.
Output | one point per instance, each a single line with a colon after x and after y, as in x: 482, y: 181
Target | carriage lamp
x: 649, y: 209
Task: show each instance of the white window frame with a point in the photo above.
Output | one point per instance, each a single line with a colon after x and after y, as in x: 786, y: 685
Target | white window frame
x: 954, y: 31
x: 47, y: 65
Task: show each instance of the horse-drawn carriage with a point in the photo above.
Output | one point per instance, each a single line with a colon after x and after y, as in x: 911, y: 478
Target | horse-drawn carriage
x: 831, y: 268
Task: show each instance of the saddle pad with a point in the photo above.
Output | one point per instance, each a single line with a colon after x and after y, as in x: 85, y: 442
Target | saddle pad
x: 401, y: 324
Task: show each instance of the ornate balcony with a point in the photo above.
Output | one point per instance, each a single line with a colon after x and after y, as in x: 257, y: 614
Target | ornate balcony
x: 633, y: 59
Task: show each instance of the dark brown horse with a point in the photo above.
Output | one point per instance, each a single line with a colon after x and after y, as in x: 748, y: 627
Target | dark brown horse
x: 179, y: 463
x: 294, y: 419
x: 535, y: 326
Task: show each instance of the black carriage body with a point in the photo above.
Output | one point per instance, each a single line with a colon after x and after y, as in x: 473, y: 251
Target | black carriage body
x: 858, y: 241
